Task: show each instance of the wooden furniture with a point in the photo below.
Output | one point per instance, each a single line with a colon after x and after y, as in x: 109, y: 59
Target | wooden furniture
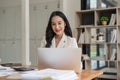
x: 90, y: 74
x: 103, y: 51
x: 86, y: 75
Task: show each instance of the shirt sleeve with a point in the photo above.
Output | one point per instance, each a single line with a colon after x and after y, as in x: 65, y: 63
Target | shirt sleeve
x: 72, y: 43
x: 43, y: 43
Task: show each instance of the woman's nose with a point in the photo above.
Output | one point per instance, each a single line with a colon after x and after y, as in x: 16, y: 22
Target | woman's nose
x: 57, y: 26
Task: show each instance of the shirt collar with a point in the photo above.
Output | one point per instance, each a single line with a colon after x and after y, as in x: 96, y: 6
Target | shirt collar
x: 62, y: 42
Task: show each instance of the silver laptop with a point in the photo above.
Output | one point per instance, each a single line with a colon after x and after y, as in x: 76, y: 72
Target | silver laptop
x: 60, y: 58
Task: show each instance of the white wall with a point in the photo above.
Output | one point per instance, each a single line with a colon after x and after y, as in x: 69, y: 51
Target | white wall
x: 39, y: 15
x: 69, y: 7
x: 10, y: 37
x: 10, y: 28
x: 6, y: 3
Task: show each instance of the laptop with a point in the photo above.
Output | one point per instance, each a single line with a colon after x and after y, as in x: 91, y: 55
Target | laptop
x: 60, y: 58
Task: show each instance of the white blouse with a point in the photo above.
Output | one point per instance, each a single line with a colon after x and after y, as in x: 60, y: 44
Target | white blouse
x: 65, y: 42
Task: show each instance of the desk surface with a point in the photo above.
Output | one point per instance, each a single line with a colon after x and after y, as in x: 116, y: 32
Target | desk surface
x: 85, y: 75
x: 90, y: 74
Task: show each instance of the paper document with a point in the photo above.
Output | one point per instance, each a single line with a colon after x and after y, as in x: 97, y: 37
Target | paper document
x: 4, y: 71
x: 51, y: 74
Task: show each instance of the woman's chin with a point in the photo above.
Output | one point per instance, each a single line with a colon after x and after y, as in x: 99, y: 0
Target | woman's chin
x: 58, y: 34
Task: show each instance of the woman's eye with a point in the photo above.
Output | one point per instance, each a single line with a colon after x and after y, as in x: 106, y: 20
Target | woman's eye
x: 59, y: 23
x: 53, y: 24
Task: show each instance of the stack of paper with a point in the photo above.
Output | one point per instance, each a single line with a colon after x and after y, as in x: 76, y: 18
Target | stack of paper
x: 50, y: 74
x: 4, y: 71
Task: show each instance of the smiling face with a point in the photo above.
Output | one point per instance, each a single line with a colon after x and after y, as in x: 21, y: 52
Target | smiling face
x: 58, y: 25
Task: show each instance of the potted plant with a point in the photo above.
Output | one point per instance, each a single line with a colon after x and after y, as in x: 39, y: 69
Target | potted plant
x: 104, y: 20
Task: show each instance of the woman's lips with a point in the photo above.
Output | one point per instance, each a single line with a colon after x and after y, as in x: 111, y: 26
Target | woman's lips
x: 58, y: 30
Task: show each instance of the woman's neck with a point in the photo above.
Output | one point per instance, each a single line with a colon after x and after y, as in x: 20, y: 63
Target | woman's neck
x: 58, y: 36
x: 57, y: 39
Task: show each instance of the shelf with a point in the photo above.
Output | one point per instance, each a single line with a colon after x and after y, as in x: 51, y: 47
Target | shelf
x: 106, y: 26
x: 99, y: 26
x: 100, y: 42
x: 104, y: 9
x: 86, y: 26
x: 98, y: 58
x: 109, y: 73
x: 91, y: 43
x: 89, y: 26
x: 108, y: 76
x: 84, y: 11
x: 110, y: 70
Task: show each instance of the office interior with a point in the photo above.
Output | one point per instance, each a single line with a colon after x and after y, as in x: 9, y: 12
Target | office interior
x: 13, y: 36
x: 23, y: 24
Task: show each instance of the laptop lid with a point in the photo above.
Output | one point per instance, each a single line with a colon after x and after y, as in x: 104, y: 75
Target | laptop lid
x: 60, y: 58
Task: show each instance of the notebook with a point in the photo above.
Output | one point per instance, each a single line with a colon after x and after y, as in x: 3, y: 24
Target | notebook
x: 60, y: 58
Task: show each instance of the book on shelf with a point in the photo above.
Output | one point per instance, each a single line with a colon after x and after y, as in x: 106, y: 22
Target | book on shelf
x: 101, y: 50
x: 113, y: 54
x: 113, y: 36
x: 82, y: 38
x: 93, y: 50
x: 102, y: 64
x: 93, y: 35
x: 112, y: 19
x: 94, y: 64
x: 108, y: 34
x: 86, y: 49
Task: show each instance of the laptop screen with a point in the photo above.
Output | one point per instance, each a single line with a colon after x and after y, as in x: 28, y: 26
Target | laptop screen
x: 60, y: 58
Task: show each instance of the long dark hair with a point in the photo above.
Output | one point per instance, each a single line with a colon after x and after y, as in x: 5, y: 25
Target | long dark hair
x: 49, y: 32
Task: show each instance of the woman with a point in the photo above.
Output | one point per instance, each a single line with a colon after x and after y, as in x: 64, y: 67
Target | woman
x: 58, y: 32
